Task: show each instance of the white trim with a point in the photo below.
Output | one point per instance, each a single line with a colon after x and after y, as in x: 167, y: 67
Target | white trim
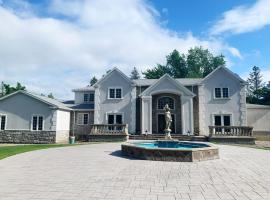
x: 173, y: 81
x: 115, y: 88
x: 43, y: 121
x: 227, y: 70
x: 167, y: 97
x: 115, y: 69
x: 221, y: 93
x: 5, y: 128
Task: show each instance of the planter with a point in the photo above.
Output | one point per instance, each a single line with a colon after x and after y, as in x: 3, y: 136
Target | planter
x: 72, y: 140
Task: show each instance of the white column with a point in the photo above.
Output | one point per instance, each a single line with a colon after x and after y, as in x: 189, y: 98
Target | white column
x: 146, y: 114
x: 187, y: 115
x: 132, y: 127
x: 97, y: 107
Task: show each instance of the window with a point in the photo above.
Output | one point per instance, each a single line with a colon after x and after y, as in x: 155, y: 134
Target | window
x: 165, y: 100
x: 88, y: 97
x: 221, y: 93
x: 218, y: 92
x: 3, y: 122
x: 115, y: 93
x: 225, y: 92
x: 85, y: 97
x: 37, y: 123
x: 91, y: 97
x: 83, y: 118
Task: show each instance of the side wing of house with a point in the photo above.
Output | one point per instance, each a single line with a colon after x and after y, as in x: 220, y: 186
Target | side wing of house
x: 19, y: 110
x: 222, y: 100
x: 115, y: 100
x: 28, y: 118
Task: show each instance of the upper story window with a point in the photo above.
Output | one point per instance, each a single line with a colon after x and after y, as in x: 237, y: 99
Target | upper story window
x: 221, y: 93
x: 83, y: 119
x: 37, y: 123
x: 88, y: 97
x: 115, y: 93
x: 165, y: 100
x: 3, y: 120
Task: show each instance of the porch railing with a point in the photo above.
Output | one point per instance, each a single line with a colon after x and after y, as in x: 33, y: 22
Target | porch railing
x: 109, y: 129
x: 231, y: 131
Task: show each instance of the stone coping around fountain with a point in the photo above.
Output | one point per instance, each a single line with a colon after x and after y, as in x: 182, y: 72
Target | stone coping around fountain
x: 170, y: 154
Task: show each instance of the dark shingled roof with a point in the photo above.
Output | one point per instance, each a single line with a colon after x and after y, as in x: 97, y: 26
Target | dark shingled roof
x: 83, y: 106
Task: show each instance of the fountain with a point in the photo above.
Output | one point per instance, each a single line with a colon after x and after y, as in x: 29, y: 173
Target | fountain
x: 169, y: 149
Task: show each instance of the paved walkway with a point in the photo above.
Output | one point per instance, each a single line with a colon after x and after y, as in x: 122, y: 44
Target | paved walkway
x: 98, y: 172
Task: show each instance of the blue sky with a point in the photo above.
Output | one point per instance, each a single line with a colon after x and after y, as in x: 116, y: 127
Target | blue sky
x: 56, y: 45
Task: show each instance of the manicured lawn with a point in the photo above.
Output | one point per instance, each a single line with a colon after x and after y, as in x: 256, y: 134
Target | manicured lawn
x: 6, y: 151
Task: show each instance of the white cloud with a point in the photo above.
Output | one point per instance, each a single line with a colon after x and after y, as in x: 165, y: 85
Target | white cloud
x: 244, y: 19
x: 50, y: 54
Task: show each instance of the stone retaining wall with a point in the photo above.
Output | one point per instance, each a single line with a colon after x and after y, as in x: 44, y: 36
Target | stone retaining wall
x: 27, y: 137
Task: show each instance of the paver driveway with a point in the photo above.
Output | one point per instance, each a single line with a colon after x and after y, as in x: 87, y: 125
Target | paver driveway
x: 97, y: 171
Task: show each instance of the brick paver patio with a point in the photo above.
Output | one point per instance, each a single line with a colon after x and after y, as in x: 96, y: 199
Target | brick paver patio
x: 97, y: 171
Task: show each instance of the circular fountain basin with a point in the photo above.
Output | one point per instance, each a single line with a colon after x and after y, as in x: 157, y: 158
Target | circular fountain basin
x: 170, y: 150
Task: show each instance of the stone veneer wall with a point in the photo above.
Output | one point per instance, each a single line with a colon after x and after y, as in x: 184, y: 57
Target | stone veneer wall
x: 28, y: 137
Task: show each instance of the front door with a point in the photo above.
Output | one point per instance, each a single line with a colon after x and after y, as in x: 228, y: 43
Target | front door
x: 161, y: 124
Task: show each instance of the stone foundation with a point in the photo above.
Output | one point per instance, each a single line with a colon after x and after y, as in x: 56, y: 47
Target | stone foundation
x: 27, y: 137
x: 170, y: 154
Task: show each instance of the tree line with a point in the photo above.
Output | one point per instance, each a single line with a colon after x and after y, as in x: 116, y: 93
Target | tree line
x: 7, y: 89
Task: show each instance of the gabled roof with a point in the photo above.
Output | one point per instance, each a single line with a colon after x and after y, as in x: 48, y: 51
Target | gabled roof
x: 115, y: 69
x: 44, y: 99
x: 183, y: 81
x: 222, y: 67
x: 167, y: 77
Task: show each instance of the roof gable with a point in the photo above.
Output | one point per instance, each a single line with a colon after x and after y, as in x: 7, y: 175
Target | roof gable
x: 46, y: 100
x: 167, y: 83
x: 114, y: 70
x: 227, y: 71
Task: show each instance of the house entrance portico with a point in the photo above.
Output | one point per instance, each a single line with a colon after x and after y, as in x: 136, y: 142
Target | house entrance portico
x: 158, y: 118
x: 180, y: 100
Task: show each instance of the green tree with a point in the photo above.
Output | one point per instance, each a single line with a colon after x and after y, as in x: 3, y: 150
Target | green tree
x: 255, y: 85
x: 51, y: 96
x: 157, y: 72
x: 135, y: 74
x: 8, y: 89
x: 201, y: 62
x: 198, y: 63
x: 178, y: 65
x: 93, y: 80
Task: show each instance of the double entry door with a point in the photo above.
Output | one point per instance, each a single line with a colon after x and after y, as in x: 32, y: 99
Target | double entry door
x: 115, y: 119
x: 222, y: 120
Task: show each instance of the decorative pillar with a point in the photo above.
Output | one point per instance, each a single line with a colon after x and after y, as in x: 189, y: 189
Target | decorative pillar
x: 146, y: 114
x: 187, y: 115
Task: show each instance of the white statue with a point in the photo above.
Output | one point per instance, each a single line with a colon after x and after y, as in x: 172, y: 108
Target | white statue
x: 168, y: 122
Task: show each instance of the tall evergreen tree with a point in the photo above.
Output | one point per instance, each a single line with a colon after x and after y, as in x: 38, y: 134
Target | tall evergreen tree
x: 135, y: 74
x: 254, y: 82
x: 93, y: 80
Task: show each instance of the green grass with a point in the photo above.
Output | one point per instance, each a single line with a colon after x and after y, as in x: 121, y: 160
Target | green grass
x: 6, y: 151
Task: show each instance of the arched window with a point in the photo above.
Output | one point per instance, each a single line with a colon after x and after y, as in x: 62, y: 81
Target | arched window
x: 162, y: 101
